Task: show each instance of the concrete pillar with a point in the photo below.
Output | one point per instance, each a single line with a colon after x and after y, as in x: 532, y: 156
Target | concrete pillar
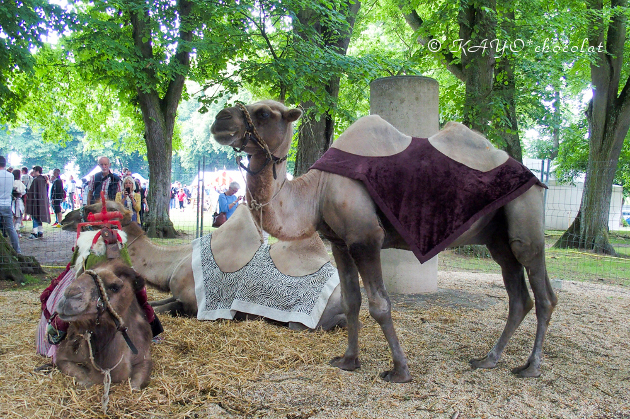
x: 410, y: 103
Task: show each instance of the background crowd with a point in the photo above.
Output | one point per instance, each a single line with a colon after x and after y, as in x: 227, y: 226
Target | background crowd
x: 32, y: 195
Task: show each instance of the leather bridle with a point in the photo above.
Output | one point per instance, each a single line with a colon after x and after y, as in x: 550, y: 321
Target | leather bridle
x: 251, y: 134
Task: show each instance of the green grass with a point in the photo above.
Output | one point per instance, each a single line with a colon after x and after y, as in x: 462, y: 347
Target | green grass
x: 563, y: 264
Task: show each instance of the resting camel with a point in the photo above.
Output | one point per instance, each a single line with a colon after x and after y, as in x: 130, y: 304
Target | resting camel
x: 95, y: 325
x: 169, y: 268
x: 344, y: 211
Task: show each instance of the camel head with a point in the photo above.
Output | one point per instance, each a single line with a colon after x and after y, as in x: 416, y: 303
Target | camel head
x: 73, y: 218
x: 271, y: 120
x: 82, y: 301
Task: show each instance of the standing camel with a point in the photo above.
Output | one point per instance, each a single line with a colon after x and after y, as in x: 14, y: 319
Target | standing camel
x: 343, y: 210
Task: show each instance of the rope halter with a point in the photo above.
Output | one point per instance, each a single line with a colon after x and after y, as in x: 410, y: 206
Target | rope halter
x: 118, y: 321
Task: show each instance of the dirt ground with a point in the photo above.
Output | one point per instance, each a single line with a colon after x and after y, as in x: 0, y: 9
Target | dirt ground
x: 255, y: 369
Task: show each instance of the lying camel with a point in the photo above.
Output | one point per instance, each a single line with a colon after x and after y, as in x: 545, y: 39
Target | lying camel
x: 93, y: 346
x: 169, y: 268
x: 342, y: 202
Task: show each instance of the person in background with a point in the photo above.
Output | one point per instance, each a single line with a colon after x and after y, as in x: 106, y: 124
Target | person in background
x: 84, y: 193
x: 228, y: 201
x: 17, y: 205
x: 144, y: 209
x: 37, y: 203
x: 173, y: 197
x: 104, y: 180
x: 57, y: 197
x: 6, y: 214
x: 72, y: 189
x: 188, y: 194
x: 181, y: 195
x: 130, y: 198
x: 27, y: 180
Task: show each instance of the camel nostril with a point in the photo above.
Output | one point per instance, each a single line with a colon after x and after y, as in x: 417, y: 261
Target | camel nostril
x: 224, y: 115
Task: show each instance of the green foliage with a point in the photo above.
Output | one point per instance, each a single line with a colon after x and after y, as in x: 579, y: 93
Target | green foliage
x: 22, y: 26
x: 61, y: 101
x: 197, y: 140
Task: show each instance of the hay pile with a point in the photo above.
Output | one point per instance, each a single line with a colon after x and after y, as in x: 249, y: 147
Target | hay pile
x: 255, y: 369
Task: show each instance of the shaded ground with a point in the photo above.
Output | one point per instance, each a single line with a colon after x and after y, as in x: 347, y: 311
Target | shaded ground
x: 254, y: 369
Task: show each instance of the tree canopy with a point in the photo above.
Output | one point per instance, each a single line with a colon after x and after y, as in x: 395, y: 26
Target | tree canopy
x: 118, y: 71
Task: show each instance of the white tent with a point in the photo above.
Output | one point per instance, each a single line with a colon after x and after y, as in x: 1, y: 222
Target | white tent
x: 221, y: 178
x: 92, y: 172
x: 139, y: 177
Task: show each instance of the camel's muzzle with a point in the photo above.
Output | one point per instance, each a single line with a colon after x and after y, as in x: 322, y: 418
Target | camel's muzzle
x: 71, y: 308
x: 227, y: 128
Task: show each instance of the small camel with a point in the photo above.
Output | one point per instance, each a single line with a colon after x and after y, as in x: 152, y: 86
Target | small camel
x: 169, y: 268
x: 343, y: 210
x: 97, y: 342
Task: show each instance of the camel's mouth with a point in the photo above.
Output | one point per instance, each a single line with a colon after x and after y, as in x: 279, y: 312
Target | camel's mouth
x: 74, y: 317
x: 226, y: 137
x: 228, y: 127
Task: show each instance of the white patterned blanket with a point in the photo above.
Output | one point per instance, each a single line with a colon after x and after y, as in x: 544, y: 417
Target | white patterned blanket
x: 259, y: 288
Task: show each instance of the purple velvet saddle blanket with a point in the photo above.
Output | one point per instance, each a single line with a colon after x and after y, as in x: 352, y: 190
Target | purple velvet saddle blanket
x: 430, y: 198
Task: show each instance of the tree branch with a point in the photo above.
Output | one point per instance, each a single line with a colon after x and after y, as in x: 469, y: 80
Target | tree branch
x: 615, y: 40
x: 415, y: 22
x: 180, y: 63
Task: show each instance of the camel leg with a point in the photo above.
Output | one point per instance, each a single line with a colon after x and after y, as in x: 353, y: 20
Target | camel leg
x: 351, y: 302
x: 141, y: 374
x: 527, y: 242
x: 546, y: 301
x: 83, y: 375
x: 520, y: 302
x: 367, y: 257
x: 174, y: 308
x: 162, y: 302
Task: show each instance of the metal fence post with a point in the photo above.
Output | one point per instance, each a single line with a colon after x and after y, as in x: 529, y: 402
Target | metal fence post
x: 197, y: 218
x: 203, y: 194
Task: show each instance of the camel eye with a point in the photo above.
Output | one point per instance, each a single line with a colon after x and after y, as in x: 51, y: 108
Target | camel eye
x: 114, y: 287
x: 262, y: 114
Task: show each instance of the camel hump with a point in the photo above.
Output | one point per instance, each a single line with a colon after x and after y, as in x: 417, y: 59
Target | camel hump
x: 235, y: 242
x: 372, y: 136
x: 299, y: 257
x: 468, y: 147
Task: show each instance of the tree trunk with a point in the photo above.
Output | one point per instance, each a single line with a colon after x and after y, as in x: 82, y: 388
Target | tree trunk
x: 159, y: 156
x: 14, y: 266
x: 159, y: 116
x: 317, y: 128
x: 477, y: 24
x: 608, y: 117
x: 506, y: 124
x: 477, y: 27
x: 314, y: 137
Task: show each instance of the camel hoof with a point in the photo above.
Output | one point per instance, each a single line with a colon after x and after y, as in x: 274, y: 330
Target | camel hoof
x: 45, y: 369
x: 484, y: 363
x: 393, y: 376
x: 527, y: 371
x: 345, y: 364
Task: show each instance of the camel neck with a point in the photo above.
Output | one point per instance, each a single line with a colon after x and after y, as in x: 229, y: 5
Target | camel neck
x: 156, y: 263
x: 288, y: 208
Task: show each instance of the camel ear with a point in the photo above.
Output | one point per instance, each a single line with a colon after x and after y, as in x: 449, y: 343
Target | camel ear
x: 71, y: 220
x: 137, y: 280
x: 293, y: 115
